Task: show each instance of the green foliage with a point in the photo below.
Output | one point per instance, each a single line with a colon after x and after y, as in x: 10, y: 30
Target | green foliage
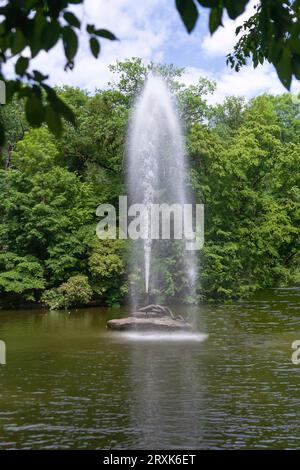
x: 22, y: 276
x: 227, y: 117
x: 50, y: 190
x: 271, y: 34
x: 131, y: 74
x: 250, y: 186
x: 76, y: 291
x: 244, y: 159
x: 192, y: 102
x: 107, y: 267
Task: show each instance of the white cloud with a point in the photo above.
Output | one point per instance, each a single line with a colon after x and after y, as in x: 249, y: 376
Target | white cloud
x: 223, y: 40
x: 139, y: 26
x: 247, y: 82
x: 192, y: 74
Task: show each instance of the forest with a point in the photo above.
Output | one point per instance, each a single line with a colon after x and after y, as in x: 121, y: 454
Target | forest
x: 244, y: 159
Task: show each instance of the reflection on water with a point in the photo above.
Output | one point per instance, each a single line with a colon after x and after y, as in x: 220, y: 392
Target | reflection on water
x: 160, y: 337
x: 166, y: 393
x: 69, y: 383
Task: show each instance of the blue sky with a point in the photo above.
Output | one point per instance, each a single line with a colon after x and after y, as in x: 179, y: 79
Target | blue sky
x: 152, y: 30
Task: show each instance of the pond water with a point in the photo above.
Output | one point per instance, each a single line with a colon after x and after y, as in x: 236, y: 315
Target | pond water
x: 70, y: 384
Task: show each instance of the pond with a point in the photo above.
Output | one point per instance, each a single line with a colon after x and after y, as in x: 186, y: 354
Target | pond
x: 70, y: 384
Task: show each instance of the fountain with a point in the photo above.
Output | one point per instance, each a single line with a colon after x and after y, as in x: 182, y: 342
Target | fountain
x: 156, y: 175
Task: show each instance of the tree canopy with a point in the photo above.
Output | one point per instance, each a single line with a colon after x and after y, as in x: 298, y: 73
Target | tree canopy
x: 244, y: 167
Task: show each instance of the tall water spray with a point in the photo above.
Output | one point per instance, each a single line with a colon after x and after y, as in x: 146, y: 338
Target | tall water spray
x: 156, y: 174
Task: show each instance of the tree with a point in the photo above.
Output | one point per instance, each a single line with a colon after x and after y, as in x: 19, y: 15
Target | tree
x: 75, y: 292
x: 47, y: 230
x: 244, y: 159
x: 21, y: 277
x: 250, y: 187
x: 131, y: 74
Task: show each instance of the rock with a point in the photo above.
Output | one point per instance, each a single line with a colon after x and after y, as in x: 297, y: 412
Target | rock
x: 168, y: 312
x: 147, y: 308
x: 147, y: 323
x: 155, y: 311
x: 152, y: 314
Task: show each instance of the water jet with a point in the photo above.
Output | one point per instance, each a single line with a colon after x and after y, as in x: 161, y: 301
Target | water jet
x: 156, y: 176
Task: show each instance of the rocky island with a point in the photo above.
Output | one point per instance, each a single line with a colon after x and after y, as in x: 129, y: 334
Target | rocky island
x: 151, y: 318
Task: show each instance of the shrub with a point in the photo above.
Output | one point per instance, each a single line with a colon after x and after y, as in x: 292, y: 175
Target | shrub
x: 74, y: 292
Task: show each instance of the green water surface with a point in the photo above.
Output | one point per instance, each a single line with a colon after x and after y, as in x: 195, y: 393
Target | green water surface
x: 70, y: 384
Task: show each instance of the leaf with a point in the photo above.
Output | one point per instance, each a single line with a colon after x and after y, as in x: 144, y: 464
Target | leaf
x: 104, y: 33
x: 235, y: 7
x: 58, y: 105
x: 70, y: 41
x: 72, y: 19
x: 50, y: 35
x: 90, y: 28
x: 95, y: 47
x: 255, y: 59
x: 12, y: 86
x: 18, y: 42
x: 294, y: 45
x: 53, y: 120
x: 39, y: 77
x: 296, y: 66
x: 2, y: 134
x: 51, y: 94
x: 25, y: 92
x: 275, y: 51
x: 238, y: 30
x: 215, y: 19
x: 188, y: 12
x: 209, y: 3
x: 64, y: 110
x: 21, y: 65
x: 39, y: 23
x: 284, y: 68
x: 35, y: 111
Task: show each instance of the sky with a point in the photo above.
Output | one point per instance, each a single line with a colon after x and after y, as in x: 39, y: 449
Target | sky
x: 153, y: 30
